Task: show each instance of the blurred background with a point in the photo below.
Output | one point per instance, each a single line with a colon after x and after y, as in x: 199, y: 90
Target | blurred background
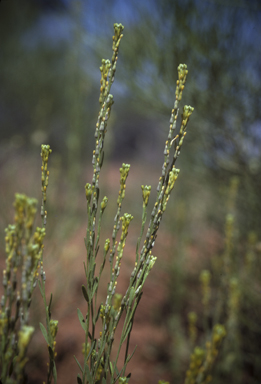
x: 50, y: 55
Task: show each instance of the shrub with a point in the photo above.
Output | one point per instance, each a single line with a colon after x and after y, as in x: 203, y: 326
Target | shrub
x: 24, y: 269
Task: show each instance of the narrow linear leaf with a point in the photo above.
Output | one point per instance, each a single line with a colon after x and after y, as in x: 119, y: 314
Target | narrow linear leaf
x: 111, y: 368
x: 85, y: 294
x: 54, y: 373
x: 127, y: 330
x: 98, y: 314
x: 88, y: 373
x: 97, y: 250
x: 85, y: 269
x: 44, y: 332
x: 95, y: 286
x: 81, y: 319
x: 116, y: 370
x: 40, y: 287
x: 132, y: 294
x: 51, y: 354
x: 102, y: 158
x: 130, y: 356
x: 49, y: 306
x: 91, y: 349
x: 79, y: 365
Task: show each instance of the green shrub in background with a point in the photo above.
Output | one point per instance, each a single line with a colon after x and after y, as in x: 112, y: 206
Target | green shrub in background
x: 229, y: 294
x: 25, y: 270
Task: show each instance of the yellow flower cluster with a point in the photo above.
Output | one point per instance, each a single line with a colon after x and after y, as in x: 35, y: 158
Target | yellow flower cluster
x: 201, y: 361
x: 45, y: 152
x: 145, y: 194
x: 182, y: 73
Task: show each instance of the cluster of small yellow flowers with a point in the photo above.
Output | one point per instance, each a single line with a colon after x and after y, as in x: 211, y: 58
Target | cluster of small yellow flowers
x: 86, y: 352
x: 45, y: 152
x: 173, y: 175
x: 24, y: 338
x: 145, y: 194
x: 106, y: 65
x: 182, y: 74
x: 12, y: 250
x: 53, y: 328
x: 84, y: 349
x: 107, y: 245
x: 88, y: 191
x: 108, y: 68
x: 201, y: 361
x: 126, y: 219
x: 196, y: 361
x: 117, y: 301
x: 24, y: 249
x: 116, y: 39
x: 53, y: 332
x: 104, y: 203
x: 124, y: 171
x: 25, y: 210
x: 123, y: 380
x: 218, y: 335
x: 105, y: 315
x: 187, y: 112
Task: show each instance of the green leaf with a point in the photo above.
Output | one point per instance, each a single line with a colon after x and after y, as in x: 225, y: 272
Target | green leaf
x: 97, y: 250
x: 91, y: 349
x: 98, y: 314
x: 85, y: 295
x: 104, y: 381
x: 102, y: 158
x: 130, y: 356
x: 44, y: 332
x: 85, y: 269
x: 88, y: 373
x: 81, y: 319
x: 40, y: 287
x: 131, y: 296
x: 54, y: 373
x: 49, y: 306
x: 95, y: 286
x: 79, y: 365
x: 51, y: 354
x: 79, y: 380
x: 127, y: 330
